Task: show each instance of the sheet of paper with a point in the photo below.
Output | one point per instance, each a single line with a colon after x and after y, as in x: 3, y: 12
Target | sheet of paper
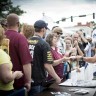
x: 67, y: 82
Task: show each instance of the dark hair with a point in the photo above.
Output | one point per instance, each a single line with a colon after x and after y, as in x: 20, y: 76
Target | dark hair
x: 37, y: 29
x: 70, y: 54
x: 49, y: 38
x: 3, y: 22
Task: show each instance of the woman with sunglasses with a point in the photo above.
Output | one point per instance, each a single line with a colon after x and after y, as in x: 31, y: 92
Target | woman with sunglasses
x: 60, y: 44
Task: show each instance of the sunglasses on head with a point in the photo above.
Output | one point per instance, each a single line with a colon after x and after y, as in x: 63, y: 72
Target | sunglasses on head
x: 58, y: 33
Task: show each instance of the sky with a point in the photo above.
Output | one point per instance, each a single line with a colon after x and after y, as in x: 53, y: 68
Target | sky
x: 56, y: 10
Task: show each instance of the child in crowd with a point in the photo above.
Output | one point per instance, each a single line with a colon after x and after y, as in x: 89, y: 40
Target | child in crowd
x: 68, y: 46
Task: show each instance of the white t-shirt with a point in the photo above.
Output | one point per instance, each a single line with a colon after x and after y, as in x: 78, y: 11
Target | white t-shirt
x: 94, y: 36
x: 88, y: 50
x: 61, y: 46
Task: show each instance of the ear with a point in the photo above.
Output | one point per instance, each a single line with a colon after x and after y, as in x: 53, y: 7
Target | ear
x: 18, y: 24
x: 43, y: 29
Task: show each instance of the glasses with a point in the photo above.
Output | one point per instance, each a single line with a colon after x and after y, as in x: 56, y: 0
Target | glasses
x: 58, y: 33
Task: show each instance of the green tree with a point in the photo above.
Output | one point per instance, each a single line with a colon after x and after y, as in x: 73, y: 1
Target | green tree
x: 6, y: 7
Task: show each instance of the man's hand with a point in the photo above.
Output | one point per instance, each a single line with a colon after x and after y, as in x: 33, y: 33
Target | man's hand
x: 75, y: 44
x: 80, y: 33
x: 66, y: 58
x: 77, y: 58
x: 73, y: 58
x: 58, y: 81
x: 19, y: 74
x: 28, y: 86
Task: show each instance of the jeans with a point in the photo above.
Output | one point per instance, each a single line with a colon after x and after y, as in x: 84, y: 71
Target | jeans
x: 66, y: 71
x: 5, y: 93
x: 35, y: 90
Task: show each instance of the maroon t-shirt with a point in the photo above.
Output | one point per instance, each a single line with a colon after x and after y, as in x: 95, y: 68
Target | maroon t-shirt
x: 59, y: 68
x: 19, y: 53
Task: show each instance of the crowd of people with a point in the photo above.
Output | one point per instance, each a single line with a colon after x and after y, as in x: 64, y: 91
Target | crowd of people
x: 33, y: 58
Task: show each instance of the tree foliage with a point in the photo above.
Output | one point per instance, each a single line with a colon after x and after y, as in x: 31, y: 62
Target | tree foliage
x: 6, y: 7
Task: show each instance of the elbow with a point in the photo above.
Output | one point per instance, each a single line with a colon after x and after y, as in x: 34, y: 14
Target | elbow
x: 82, y: 54
x: 46, y: 65
x: 54, y: 63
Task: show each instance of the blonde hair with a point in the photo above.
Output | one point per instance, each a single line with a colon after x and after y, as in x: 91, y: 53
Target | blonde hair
x: 57, y: 29
x: 1, y: 34
x: 68, y: 38
x: 27, y: 30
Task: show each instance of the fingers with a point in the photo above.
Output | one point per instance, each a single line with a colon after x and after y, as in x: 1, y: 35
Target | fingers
x: 58, y: 81
x: 75, y: 57
x: 19, y: 74
x: 28, y: 86
x: 72, y: 58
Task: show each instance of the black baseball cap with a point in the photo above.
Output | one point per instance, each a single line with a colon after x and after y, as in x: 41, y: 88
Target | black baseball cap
x: 40, y: 24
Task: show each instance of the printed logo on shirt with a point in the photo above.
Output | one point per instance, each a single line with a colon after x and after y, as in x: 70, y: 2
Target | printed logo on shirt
x: 49, y: 56
x: 32, y: 41
x: 32, y: 46
x: 5, y: 45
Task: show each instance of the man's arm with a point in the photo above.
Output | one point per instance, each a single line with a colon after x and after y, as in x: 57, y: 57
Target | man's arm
x: 78, y: 48
x: 52, y: 72
x: 87, y: 47
x: 61, y: 60
x: 25, y: 60
x: 81, y: 34
x: 27, y: 74
x: 90, y: 59
x: 87, y: 59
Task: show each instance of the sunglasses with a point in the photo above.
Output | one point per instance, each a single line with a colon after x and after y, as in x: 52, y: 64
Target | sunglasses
x: 58, y: 33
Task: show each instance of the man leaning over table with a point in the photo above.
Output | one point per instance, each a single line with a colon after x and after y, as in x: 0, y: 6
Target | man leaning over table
x: 42, y: 59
